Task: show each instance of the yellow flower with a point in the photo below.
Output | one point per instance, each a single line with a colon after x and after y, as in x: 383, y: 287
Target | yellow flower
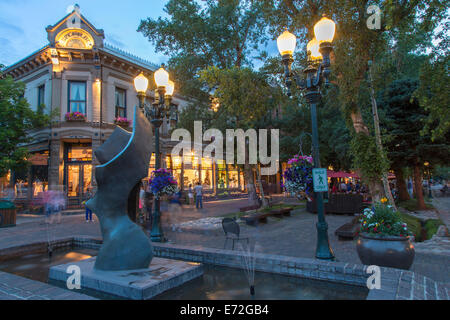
x: 384, y: 200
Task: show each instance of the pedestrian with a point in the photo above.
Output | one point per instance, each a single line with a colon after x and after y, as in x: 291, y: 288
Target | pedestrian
x: 198, y: 195
x: 349, y: 187
x: 176, y: 198
x: 334, y: 190
x: 410, y: 188
x: 343, y: 187
x: 190, y: 195
x: 88, y: 211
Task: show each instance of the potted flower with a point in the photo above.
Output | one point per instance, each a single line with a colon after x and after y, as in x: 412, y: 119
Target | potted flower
x: 384, y: 239
x: 162, y: 183
x: 298, y: 177
x: 75, y: 116
x: 122, y: 122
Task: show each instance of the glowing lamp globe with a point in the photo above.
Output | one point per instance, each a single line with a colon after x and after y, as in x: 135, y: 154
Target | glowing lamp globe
x: 141, y: 83
x: 324, y: 30
x: 286, y: 43
x: 313, y: 49
x: 170, y: 88
x: 162, y: 78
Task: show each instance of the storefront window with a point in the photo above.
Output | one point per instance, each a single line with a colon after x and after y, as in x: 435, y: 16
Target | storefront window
x: 191, y: 177
x: 39, y: 176
x: 5, y: 191
x: 207, y: 181
x: 176, y: 162
x: 233, y: 177
x: 221, y: 174
x: 79, y: 154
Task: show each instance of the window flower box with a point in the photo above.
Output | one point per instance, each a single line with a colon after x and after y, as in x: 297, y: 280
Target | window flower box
x: 75, y: 117
x: 122, y: 122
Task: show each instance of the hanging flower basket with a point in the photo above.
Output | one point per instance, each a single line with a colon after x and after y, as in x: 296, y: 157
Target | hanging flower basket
x: 122, y: 122
x: 162, y: 183
x: 298, y: 177
x: 75, y: 117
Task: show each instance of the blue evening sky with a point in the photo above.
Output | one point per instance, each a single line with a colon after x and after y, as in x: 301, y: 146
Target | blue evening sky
x: 23, y: 23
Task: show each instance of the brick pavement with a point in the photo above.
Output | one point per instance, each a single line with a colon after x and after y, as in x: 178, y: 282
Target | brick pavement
x: 18, y: 288
x: 291, y: 236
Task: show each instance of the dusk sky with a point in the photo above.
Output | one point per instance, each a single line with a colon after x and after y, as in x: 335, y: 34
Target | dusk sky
x: 23, y: 23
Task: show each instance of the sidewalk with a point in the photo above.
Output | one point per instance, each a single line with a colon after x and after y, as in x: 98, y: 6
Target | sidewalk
x: 293, y: 236
x: 442, y: 205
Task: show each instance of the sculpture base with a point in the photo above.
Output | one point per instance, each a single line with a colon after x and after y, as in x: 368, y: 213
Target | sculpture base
x: 143, y: 284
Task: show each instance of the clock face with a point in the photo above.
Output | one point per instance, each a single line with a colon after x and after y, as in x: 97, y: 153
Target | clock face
x: 74, y: 39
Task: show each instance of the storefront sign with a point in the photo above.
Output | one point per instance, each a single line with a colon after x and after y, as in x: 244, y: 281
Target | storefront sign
x: 38, y: 159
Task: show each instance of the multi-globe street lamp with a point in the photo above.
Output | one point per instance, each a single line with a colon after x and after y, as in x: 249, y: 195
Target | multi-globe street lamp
x: 317, y: 73
x: 156, y: 115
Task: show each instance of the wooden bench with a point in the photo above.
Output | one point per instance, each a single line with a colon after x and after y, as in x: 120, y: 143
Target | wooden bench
x: 283, y: 212
x: 249, y: 208
x: 349, y: 230
x: 255, y: 219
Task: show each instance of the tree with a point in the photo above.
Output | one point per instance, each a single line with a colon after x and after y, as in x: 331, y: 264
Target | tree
x: 433, y: 95
x: 16, y: 118
x: 355, y: 45
x: 407, y: 147
x: 210, y: 48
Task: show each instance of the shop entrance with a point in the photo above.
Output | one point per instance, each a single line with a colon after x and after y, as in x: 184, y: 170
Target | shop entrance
x: 78, y: 174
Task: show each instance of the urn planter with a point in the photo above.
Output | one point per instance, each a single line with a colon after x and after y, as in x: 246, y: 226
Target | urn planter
x: 385, y: 251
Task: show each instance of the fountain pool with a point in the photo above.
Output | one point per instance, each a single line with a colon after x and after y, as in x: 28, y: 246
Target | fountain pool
x: 217, y: 283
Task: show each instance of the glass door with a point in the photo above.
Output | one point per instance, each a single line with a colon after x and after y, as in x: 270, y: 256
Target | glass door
x: 73, y: 180
x: 87, y: 179
x: 79, y: 181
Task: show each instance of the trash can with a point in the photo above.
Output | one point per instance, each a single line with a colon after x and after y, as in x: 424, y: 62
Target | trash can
x: 8, y: 212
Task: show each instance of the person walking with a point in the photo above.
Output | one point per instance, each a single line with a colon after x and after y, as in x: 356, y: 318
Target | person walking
x: 410, y: 188
x: 343, y: 187
x: 198, y: 189
x: 190, y: 195
x: 334, y: 189
x: 88, y: 211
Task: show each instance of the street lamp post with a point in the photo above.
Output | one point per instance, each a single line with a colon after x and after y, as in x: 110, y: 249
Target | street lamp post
x: 156, y: 115
x: 317, y: 72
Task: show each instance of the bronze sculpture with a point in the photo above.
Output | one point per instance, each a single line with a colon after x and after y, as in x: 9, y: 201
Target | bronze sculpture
x: 124, y: 160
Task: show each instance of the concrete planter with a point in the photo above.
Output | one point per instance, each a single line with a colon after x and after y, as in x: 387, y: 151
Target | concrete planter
x: 386, y: 251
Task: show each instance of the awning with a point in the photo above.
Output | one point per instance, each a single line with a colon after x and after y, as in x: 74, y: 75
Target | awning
x: 342, y: 174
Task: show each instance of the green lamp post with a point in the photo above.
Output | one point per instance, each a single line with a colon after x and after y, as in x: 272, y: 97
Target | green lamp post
x: 316, y: 73
x: 156, y: 114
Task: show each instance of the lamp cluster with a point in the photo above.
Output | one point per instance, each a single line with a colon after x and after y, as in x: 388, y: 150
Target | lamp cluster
x: 165, y: 89
x: 318, y: 50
